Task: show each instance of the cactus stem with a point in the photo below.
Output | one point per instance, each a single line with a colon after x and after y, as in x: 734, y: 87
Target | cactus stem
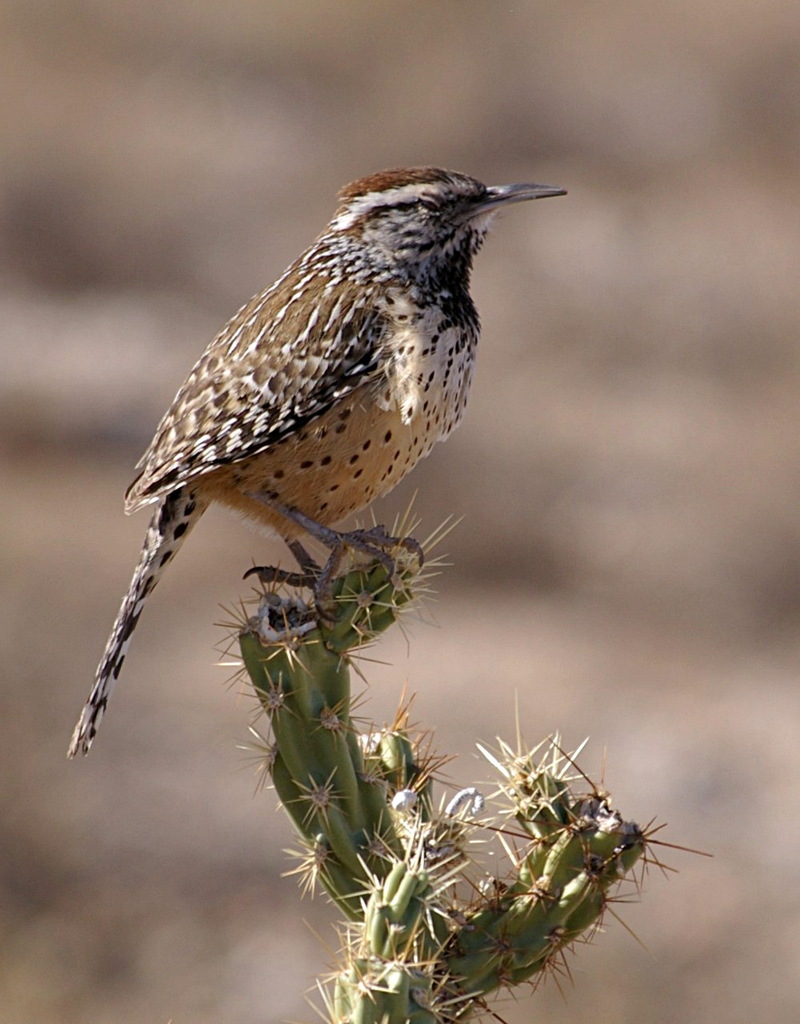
x: 430, y: 932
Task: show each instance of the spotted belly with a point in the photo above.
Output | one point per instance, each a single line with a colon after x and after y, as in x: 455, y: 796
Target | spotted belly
x: 332, y: 467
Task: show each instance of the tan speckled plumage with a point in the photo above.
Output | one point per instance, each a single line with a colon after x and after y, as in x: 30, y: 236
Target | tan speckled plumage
x: 323, y: 391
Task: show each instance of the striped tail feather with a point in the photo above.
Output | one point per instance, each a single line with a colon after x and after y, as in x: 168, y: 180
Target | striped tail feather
x: 172, y: 519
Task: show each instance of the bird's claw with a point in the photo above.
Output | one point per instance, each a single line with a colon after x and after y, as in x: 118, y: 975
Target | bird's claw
x: 374, y: 542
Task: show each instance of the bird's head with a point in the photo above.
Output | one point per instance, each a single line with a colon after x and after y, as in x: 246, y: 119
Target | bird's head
x: 424, y: 220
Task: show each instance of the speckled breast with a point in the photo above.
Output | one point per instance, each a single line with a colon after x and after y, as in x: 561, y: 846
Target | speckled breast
x: 363, y: 446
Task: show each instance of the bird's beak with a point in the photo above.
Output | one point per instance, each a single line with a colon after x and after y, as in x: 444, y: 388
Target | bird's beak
x: 500, y: 195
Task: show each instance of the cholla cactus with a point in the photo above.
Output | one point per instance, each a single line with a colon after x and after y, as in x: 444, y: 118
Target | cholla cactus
x: 429, y: 933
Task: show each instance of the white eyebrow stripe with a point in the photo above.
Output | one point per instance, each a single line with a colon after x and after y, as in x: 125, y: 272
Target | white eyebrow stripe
x: 373, y: 200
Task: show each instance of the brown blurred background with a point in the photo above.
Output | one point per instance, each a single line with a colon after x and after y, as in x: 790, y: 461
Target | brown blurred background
x: 628, y: 567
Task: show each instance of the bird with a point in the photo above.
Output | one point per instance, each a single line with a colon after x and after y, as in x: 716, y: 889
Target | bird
x: 325, y: 389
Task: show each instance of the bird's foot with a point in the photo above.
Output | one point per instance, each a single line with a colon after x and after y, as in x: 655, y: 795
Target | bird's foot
x: 373, y: 542
x: 271, y: 574
x: 306, y: 578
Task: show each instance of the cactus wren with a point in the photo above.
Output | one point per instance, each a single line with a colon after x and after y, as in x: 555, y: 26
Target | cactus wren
x: 324, y: 390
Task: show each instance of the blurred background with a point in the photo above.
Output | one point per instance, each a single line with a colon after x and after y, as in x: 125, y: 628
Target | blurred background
x: 628, y: 565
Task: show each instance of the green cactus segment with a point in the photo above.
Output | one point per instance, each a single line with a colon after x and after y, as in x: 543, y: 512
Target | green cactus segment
x: 395, y: 915
x: 393, y: 757
x: 366, y: 602
x: 557, y: 897
x: 373, y: 991
x: 300, y: 669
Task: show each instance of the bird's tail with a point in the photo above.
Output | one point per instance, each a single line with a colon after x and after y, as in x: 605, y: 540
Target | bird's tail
x: 172, y: 519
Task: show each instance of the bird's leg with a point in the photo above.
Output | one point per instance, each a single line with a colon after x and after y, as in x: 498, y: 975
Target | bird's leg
x: 374, y: 542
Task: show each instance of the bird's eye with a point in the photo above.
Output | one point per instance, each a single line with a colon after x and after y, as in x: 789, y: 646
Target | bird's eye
x: 429, y: 204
